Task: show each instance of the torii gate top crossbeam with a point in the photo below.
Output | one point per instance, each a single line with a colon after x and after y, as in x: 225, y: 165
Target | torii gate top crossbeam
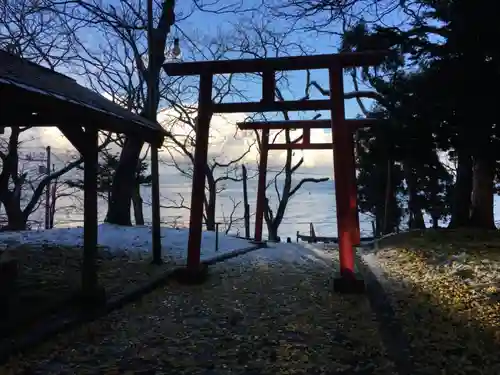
x: 303, y: 124
x: 325, y: 61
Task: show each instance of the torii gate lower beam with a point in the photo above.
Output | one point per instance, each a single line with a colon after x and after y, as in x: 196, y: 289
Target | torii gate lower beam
x: 344, y: 176
x: 305, y: 126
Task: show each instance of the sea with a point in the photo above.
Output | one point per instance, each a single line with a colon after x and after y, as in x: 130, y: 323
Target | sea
x: 313, y: 204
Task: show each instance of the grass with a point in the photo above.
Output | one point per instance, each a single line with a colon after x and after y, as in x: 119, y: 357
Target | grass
x: 248, y: 319
x: 49, y: 276
x: 445, y: 297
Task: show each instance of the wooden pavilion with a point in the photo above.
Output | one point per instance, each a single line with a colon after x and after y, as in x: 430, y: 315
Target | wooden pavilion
x: 32, y: 95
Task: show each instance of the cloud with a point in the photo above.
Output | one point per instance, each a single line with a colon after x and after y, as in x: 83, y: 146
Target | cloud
x: 228, y: 143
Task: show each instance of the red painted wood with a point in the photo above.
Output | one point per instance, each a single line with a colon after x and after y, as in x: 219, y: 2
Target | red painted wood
x: 342, y: 173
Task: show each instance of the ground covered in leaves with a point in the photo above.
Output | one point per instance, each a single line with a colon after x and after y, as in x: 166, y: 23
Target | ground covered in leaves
x: 445, y: 290
x: 249, y: 318
x: 49, y: 276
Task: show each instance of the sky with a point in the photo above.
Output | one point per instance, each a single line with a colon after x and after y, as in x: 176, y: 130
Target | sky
x: 204, y: 28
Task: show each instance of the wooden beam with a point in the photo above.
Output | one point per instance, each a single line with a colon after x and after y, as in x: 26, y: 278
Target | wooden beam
x: 303, y: 124
x: 300, y: 146
x: 45, y: 110
x: 268, y: 86
x: 76, y: 135
x: 289, y: 105
x: 345, y: 59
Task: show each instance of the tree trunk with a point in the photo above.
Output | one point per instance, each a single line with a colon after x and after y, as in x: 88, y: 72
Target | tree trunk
x: 416, y: 219
x: 435, y: 220
x: 124, y: 183
x: 16, y: 219
x: 462, y: 192
x: 137, y: 203
x: 272, y: 231
x: 210, y: 219
x: 482, y: 194
x: 210, y: 204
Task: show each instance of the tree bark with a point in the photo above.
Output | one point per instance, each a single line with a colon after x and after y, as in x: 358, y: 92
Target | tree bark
x: 462, y: 192
x: 482, y: 194
x: 137, y: 204
x: 124, y: 183
x: 416, y: 219
x: 272, y: 231
x: 16, y: 219
x: 210, y: 213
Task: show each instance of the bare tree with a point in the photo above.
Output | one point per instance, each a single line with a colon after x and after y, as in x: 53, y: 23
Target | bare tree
x: 259, y: 38
x: 130, y: 23
x: 286, y: 191
x: 19, y: 194
x: 61, y: 191
x: 230, y: 220
x: 38, y: 31
x: 181, y: 124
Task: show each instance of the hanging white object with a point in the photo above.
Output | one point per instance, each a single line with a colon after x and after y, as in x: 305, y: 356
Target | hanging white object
x: 176, y: 49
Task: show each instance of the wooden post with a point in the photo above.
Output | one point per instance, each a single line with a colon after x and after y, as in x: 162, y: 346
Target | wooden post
x: 155, y: 209
x: 47, y: 190
x: 200, y: 164
x: 246, y: 206
x: 89, y: 267
x: 306, y: 137
x: 261, y: 187
x: 268, y: 86
x: 342, y: 172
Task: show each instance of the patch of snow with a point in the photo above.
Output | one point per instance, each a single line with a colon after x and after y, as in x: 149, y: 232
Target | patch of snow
x: 291, y: 253
x: 369, y: 258
x: 135, y: 241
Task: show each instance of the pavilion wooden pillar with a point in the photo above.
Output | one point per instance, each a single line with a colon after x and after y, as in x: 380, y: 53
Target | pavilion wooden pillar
x: 90, y: 284
x: 343, y: 173
x: 155, y: 208
x: 205, y: 110
x: 261, y: 186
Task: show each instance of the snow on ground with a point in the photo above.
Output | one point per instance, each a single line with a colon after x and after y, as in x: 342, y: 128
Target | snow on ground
x: 290, y: 253
x: 134, y: 241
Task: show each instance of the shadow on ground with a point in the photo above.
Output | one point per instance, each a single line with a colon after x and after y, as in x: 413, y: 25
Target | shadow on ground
x: 271, y: 318
x: 428, y: 334
x: 248, y: 319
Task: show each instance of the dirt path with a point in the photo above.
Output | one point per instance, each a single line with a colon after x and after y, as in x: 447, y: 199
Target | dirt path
x: 250, y: 318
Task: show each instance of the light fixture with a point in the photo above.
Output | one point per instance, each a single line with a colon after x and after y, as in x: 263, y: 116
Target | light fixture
x: 176, y: 49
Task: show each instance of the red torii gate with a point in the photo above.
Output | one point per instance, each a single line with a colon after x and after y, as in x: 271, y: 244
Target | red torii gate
x: 305, y: 126
x: 344, y: 163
